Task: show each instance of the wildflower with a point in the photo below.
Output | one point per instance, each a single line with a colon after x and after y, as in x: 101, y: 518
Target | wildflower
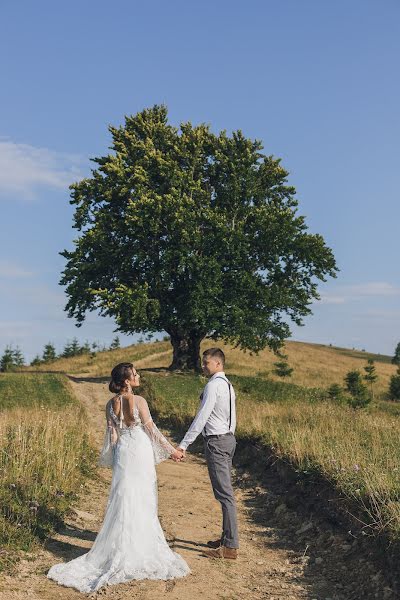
x: 356, y: 467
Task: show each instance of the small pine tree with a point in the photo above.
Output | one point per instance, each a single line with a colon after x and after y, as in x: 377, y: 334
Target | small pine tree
x: 115, y: 344
x: 85, y: 349
x: 72, y: 349
x: 353, y: 382
x: 370, y: 375
x: 75, y: 347
x: 18, y: 358
x: 360, y: 396
x: 7, y: 360
x: 49, y: 353
x: 282, y: 368
x: 394, y: 386
x: 334, y: 392
x: 396, y: 357
x: 66, y: 353
x: 36, y: 361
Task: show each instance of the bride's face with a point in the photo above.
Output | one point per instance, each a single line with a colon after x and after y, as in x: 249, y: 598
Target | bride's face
x: 134, y: 379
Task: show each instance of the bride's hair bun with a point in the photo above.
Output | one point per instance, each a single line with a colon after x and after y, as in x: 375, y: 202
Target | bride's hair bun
x: 114, y: 387
x: 119, y: 373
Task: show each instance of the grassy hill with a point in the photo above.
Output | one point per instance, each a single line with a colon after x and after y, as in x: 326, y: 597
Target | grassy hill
x: 357, y: 452
x: 315, y: 365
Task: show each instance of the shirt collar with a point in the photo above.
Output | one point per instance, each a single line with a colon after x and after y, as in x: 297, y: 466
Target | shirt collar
x: 217, y: 374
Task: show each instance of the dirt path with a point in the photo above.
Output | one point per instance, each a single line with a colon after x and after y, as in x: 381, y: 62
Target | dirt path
x: 270, y: 566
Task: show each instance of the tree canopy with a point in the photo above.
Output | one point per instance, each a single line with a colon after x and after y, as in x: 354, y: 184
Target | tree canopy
x: 193, y: 233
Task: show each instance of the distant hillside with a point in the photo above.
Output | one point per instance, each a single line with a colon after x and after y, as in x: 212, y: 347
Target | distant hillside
x: 315, y: 365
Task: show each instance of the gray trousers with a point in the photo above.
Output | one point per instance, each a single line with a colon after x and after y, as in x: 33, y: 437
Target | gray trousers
x: 219, y: 451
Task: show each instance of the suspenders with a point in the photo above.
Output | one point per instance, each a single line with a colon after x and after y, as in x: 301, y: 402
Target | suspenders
x: 230, y: 403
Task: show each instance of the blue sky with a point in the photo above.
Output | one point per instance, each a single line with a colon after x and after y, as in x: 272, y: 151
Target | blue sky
x: 316, y: 81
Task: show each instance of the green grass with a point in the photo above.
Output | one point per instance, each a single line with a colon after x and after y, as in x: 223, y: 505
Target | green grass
x: 178, y: 394
x: 45, y: 459
x: 34, y: 390
x: 358, y: 452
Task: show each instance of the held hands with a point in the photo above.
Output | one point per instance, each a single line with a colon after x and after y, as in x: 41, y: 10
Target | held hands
x: 178, y: 455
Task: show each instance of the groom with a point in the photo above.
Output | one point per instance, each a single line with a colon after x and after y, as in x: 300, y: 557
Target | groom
x: 216, y: 420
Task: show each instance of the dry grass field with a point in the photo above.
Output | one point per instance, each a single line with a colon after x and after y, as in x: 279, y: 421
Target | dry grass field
x: 314, y: 365
x: 46, y: 453
x: 45, y: 457
x: 357, y: 451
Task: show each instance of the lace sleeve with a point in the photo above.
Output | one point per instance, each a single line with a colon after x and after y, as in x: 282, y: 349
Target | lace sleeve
x: 161, y: 447
x: 110, y: 439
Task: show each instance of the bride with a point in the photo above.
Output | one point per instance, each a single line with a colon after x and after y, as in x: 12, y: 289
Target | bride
x: 130, y: 543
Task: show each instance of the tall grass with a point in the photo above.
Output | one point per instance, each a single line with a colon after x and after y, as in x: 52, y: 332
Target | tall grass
x: 45, y: 456
x: 357, y: 451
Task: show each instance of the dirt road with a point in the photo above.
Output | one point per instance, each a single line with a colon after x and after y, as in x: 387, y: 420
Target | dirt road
x: 275, y: 561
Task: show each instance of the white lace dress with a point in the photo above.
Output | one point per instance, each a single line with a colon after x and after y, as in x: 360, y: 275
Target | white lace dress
x: 130, y: 544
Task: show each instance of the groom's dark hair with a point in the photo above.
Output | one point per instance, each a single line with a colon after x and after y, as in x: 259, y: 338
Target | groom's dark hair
x: 215, y: 353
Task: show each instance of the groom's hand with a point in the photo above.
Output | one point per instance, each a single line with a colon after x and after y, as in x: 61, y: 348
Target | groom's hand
x: 183, y: 451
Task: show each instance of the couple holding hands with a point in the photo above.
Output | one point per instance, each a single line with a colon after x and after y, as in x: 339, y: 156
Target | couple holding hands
x: 131, y: 543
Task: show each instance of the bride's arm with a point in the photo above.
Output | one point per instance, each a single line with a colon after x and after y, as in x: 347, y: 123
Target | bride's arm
x: 161, y: 446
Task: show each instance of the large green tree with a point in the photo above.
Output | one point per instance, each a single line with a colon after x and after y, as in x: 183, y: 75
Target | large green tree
x: 194, y: 233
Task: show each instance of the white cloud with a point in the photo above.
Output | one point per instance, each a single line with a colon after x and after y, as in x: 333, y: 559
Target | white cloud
x: 341, y: 294
x: 25, y: 168
x: 11, y: 270
x: 374, y: 288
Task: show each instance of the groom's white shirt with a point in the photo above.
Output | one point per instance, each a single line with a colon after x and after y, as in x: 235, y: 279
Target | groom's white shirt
x: 213, y: 413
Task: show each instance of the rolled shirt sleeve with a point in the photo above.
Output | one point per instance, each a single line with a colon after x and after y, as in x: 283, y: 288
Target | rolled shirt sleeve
x: 203, y: 414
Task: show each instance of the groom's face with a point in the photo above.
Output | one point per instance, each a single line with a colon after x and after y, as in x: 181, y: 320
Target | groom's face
x: 210, y: 365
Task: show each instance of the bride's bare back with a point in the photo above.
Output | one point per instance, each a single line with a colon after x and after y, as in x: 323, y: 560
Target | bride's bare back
x: 129, y: 403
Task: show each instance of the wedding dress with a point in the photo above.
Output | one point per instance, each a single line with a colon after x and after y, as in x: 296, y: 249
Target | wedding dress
x: 130, y: 544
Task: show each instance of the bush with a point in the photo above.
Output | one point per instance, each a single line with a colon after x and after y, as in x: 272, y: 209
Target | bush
x: 335, y: 392
x: 394, y: 386
x: 359, y: 395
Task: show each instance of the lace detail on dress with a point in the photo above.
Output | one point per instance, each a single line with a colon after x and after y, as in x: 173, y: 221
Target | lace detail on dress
x: 131, y: 543
x: 117, y: 427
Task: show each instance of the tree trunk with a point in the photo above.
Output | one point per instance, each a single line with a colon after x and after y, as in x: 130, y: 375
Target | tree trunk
x: 186, y: 356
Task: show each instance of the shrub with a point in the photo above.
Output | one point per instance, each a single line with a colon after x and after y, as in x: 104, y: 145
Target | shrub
x: 394, y: 386
x: 359, y: 395
x: 335, y: 392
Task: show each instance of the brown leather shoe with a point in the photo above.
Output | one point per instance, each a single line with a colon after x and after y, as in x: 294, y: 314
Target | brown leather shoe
x: 214, y: 543
x: 222, y: 552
